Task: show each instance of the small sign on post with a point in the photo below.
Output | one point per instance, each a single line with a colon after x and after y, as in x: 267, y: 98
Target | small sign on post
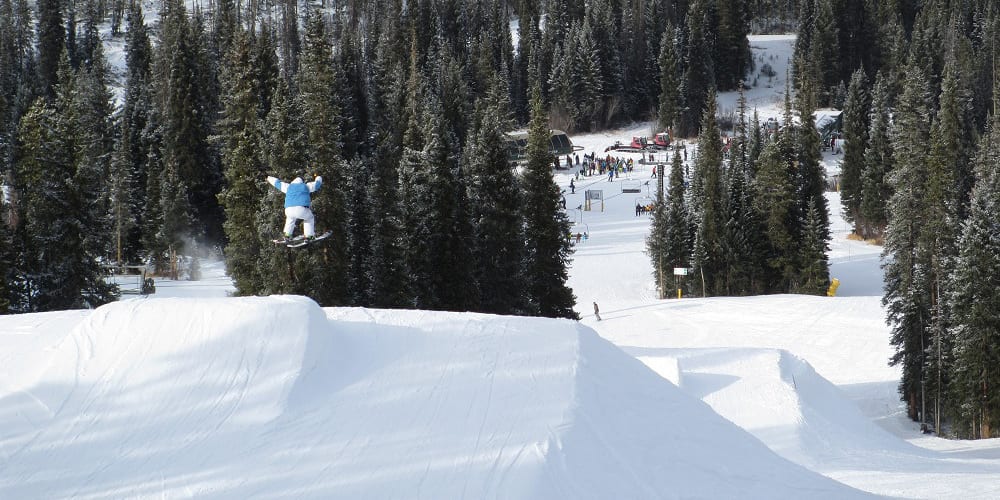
x: 595, y: 195
x: 681, y: 271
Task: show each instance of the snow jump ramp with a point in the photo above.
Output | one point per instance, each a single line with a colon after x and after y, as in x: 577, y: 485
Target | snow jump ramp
x: 275, y: 397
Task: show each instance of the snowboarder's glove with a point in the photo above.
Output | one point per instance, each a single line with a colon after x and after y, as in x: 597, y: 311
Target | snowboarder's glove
x: 271, y: 180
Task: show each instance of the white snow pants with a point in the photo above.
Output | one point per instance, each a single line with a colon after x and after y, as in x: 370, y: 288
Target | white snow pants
x: 293, y: 214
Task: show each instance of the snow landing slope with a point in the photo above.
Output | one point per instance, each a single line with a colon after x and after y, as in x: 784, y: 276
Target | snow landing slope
x: 276, y: 397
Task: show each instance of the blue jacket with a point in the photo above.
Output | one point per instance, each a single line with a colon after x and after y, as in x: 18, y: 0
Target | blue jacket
x: 296, y: 192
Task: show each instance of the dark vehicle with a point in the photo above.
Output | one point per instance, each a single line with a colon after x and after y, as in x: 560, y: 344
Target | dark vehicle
x: 639, y: 144
x: 559, y: 144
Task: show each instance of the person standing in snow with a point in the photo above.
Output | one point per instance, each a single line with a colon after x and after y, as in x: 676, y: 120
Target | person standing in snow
x: 297, y: 202
x: 597, y: 312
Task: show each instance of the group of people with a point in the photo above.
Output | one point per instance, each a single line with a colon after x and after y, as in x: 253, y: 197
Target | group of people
x: 612, y: 166
x: 569, y: 162
x: 641, y: 209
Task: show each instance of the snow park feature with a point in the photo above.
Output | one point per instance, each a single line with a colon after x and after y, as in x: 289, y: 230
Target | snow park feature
x: 275, y: 396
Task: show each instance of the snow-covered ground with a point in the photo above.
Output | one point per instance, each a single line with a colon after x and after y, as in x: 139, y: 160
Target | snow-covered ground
x: 189, y: 393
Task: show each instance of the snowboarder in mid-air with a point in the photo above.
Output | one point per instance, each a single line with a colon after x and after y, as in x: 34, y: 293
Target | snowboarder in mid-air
x: 297, y: 202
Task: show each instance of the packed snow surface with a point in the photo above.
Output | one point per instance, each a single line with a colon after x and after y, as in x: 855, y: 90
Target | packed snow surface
x: 191, y: 393
x: 274, y: 396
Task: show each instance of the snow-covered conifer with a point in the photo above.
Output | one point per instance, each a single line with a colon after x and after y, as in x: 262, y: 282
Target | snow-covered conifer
x: 855, y: 129
x: 241, y: 134
x: 495, y: 207
x: 546, y: 226
x: 975, y: 300
x: 907, y: 276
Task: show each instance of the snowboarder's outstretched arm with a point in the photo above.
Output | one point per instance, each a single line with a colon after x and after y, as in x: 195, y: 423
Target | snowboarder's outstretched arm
x: 280, y: 186
x: 315, y: 185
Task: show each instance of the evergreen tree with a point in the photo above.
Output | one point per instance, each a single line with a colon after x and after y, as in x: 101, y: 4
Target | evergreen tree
x: 824, y: 55
x: 16, y: 70
x: 699, y: 74
x: 803, y: 66
x: 152, y: 212
x: 958, y: 130
x: 669, y: 97
x: 519, y: 84
x: 656, y: 240
x: 387, y: 273
x: 289, y: 39
x: 131, y: 154
x: 51, y: 43
x: 7, y: 263
x: 811, y: 181
x: 638, y: 90
x: 225, y: 25
x: 90, y: 48
x: 285, y: 149
x: 440, y: 255
x: 359, y: 224
x: 742, y: 250
x: 709, y: 199
x: 814, y: 273
x: 265, y: 59
x: 732, y: 49
x: 320, y: 106
x: 605, y: 26
x: 938, y: 236
x: 352, y: 78
x: 560, y: 92
x: 906, y: 274
x: 63, y: 269
x: 857, y: 26
x: 855, y: 126
x: 241, y: 134
x: 776, y: 200
x: 575, y: 82
x: 585, y: 79
x: 204, y: 196
x: 669, y: 242
x: 926, y: 39
x: 182, y: 136
x: 176, y: 218
x: 546, y: 227
x: 974, y: 300
x: 879, y: 162
x: 93, y: 144
x: 756, y: 141
x: 495, y: 206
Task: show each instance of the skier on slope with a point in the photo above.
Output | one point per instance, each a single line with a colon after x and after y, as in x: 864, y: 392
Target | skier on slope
x: 297, y: 201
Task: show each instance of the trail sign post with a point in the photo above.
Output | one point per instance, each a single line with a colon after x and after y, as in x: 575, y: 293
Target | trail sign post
x: 681, y: 271
x: 593, y: 195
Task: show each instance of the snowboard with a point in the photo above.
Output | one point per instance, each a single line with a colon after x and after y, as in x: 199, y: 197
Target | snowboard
x: 301, y: 241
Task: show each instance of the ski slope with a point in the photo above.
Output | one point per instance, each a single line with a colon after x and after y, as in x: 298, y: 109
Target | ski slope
x: 276, y: 397
x: 190, y: 393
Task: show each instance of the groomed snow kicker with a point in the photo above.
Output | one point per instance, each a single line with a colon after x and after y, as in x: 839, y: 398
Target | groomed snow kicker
x: 276, y: 397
